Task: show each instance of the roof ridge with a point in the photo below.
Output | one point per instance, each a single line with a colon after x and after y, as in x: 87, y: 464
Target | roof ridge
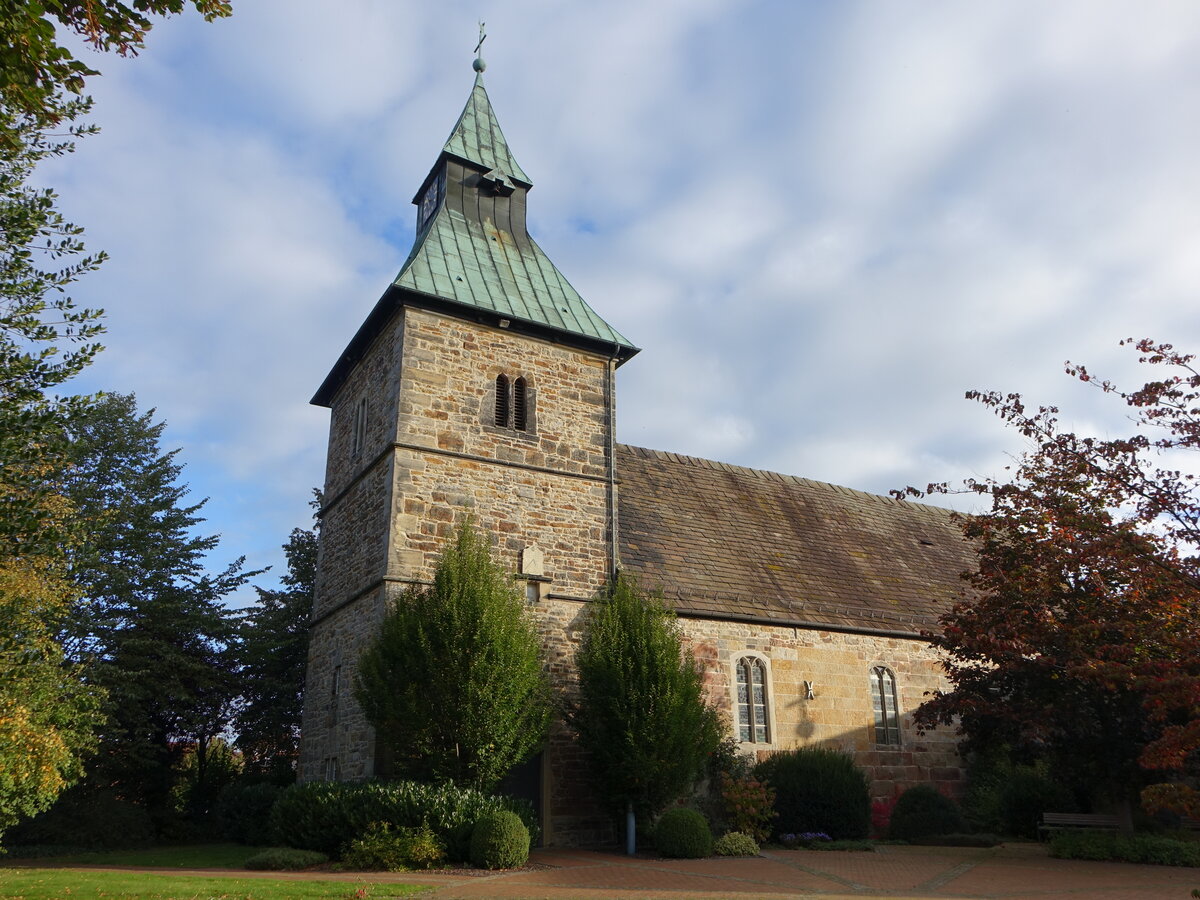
x: 771, y: 475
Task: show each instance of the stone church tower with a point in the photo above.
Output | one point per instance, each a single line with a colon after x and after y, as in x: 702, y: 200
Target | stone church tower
x: 482, y: 385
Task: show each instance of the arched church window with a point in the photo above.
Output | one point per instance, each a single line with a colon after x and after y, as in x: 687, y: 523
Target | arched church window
x: 520, y: 406
x: 502, y: 401
x: 753, y: 722
x: 883, y: 701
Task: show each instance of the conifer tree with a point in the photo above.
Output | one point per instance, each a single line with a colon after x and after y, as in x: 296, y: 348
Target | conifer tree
x: 455, y: 683
x: 641, y: 712
x: 273, y: 654
x: 152, y: 622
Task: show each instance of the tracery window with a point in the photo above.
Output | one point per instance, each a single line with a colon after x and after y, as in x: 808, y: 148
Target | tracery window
x: 883, y: 702
x: 753, y: 722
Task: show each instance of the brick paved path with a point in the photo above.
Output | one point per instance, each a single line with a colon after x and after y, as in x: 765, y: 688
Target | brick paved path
x: 1010, y: 872
x: 1015, y: 872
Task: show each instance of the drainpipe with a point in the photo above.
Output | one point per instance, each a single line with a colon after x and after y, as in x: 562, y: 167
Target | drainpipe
x: 610, y: 403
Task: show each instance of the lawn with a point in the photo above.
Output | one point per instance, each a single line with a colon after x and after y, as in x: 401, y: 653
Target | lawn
x: 79, y: 884
x: 170, y: 856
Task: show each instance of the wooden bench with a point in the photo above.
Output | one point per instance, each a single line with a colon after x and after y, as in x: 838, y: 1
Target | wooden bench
x: 1058, y: 821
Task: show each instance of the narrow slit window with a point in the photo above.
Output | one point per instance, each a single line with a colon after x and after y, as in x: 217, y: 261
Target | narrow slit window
x: 360, y: 425
x: 883, y: 702
x: 520, y: 406
x: 753, y: 724
x: 502, y: 401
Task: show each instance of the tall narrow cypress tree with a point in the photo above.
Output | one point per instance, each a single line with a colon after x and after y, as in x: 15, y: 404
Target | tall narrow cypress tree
x: 641, y: 712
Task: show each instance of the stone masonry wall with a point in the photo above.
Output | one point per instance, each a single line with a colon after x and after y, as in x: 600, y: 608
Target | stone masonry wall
x: 839, y: 714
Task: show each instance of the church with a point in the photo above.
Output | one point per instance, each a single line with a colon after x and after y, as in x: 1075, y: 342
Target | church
x: 482, y: 384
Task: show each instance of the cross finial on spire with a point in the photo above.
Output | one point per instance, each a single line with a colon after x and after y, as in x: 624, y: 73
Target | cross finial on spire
x: 479, y: 65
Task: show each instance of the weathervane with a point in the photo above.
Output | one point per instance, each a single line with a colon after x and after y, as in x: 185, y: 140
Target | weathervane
x: 479, y: 65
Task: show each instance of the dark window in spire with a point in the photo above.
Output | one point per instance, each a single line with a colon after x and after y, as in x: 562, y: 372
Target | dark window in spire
x: 502, y: 401
x: 520, y: 406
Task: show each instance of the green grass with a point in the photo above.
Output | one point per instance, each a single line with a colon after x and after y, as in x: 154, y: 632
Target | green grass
x: 77, y: 884
x: 180, y: 856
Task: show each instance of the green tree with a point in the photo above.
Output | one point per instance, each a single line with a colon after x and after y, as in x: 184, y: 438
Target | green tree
x: 152, y: 622
x: 455, y: 683
x: 641, y: 713
x: 1078, y: 642
x: 47, y: 712
x: 41, y: 75
x: 273, y: 655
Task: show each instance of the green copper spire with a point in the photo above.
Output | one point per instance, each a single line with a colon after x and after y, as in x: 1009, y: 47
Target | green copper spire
x: 477, y: 137
x: 472, y: 246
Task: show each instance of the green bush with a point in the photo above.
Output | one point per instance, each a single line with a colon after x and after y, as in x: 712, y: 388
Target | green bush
x: 818, y: 790
x: 683, y: 833
x: 244, y: 812
x: 1004, y: 797
x: 1024, y: 796
x: 735, y: 843
x: 285, y: 859
x: 1149, y: 849
x: 500, y: 841
x: 458, y: 842
x: 922, y: 811
x: 96, y: 819
x: 326, y: 816
x: 384, y: 849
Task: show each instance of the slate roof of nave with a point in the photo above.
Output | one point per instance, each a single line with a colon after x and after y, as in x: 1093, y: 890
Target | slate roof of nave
x: 724, y: 541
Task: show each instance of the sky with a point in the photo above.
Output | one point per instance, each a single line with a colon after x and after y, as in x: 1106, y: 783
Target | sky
x: 823, y: 223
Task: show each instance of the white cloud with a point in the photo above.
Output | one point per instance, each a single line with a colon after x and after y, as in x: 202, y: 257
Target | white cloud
x: 822, y: 222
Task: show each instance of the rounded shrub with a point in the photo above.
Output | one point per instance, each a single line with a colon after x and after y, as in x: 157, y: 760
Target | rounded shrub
x: 818, y: 790
x: 735, y: 843
x: 683, y: 833
x: 922, y: 811
x: 500, y: 841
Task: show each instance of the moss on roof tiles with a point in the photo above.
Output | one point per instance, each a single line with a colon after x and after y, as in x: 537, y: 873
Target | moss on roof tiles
x: 816, y: 553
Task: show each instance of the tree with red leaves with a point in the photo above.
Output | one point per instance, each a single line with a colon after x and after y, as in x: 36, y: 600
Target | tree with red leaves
x: 1077, y: 639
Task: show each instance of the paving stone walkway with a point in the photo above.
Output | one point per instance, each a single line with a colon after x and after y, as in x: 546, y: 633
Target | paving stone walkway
x: 1008, y: 872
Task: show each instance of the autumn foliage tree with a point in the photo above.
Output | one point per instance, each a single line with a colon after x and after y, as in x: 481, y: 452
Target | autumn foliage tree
x: 1077, y: 642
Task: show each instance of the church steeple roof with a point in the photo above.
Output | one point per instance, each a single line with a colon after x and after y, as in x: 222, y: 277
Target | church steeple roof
x: 473, y: 247
x: 477, y: 137
x: 473, y: 256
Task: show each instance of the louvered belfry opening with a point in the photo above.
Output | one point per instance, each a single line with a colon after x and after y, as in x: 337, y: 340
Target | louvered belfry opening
x: 502, y: 401
x: 520, y: 406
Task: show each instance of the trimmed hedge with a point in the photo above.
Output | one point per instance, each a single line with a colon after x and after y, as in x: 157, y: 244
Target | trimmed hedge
x: 1149, y: 849
x: 326, y: 816
x: 244, y: 812
x: 683, y: 833
x: 922, y: 811
x: 818, y: 790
